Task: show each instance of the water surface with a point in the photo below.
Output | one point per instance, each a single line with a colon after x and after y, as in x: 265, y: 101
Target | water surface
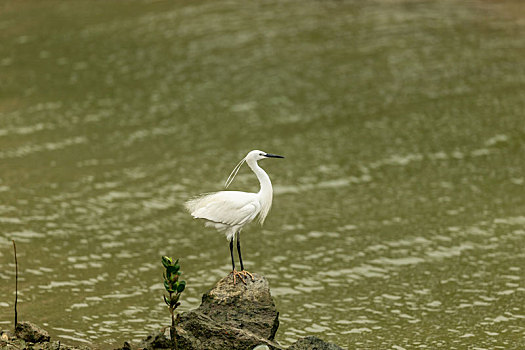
x: 399, y: 211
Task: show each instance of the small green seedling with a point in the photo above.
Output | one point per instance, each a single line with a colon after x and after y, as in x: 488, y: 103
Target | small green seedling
x: 174, y: 286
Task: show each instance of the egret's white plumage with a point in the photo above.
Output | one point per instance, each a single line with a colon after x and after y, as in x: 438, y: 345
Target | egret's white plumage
x: 229, y: 211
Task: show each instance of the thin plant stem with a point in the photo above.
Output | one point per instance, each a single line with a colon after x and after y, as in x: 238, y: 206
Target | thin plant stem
x: 172, y: 328
x: 16, y: 284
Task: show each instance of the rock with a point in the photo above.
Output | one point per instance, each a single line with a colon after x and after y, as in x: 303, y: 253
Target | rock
x: 29, y: 336
x: 127, y: 346
x: 247, y: 306
x: 313, y: 343
x: 56, y: 345
x: 156, y: 340
x: 30, y: 332
x: 239, y: 316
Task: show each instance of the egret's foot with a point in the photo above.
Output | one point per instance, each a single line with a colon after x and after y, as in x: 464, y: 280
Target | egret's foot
x: 236, y: 274
x: 246, y: 274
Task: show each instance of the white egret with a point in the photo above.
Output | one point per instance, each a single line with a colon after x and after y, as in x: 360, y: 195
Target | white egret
x: 229, y: 211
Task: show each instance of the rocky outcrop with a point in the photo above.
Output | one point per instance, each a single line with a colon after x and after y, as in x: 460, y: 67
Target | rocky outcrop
x: 231, y: 316
x: 247, y: 306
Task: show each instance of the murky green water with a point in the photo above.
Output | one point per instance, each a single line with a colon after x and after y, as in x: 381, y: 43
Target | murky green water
x: 399, y: 212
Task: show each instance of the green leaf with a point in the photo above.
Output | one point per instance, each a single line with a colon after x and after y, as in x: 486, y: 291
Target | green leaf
x: 181, y: 286
x: 166, y: 300
x: 167, y: 261
x: 172, y: 269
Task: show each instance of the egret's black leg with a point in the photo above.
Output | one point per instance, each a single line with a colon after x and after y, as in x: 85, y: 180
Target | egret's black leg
x: 231, y: 253
x: 234, y: 272
x: 239, y: 251
x: 243, y: 271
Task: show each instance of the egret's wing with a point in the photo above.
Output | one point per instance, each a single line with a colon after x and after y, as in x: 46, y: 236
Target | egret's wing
x: 226, y: 207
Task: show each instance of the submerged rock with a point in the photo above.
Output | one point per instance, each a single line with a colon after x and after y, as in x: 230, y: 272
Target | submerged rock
x: 239, y: 316
x: 313, y: 343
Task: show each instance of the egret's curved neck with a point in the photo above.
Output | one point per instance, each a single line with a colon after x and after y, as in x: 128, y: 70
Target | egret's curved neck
x: 266, y: 191
x: 264, y: 179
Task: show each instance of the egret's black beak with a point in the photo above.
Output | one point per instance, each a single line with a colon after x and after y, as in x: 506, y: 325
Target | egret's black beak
x: 272, y: 155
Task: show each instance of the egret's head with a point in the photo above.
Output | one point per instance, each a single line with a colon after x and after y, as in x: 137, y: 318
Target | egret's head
x: 251, y: 157
x: 258, y: 155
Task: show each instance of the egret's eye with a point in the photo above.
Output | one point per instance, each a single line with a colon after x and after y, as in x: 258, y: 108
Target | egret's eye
x: 261, y: 154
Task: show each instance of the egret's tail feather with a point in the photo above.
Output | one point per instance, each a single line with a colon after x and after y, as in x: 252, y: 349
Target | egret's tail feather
x: 199, y: 208
x: 197, y: 202
x: 192, y: 204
